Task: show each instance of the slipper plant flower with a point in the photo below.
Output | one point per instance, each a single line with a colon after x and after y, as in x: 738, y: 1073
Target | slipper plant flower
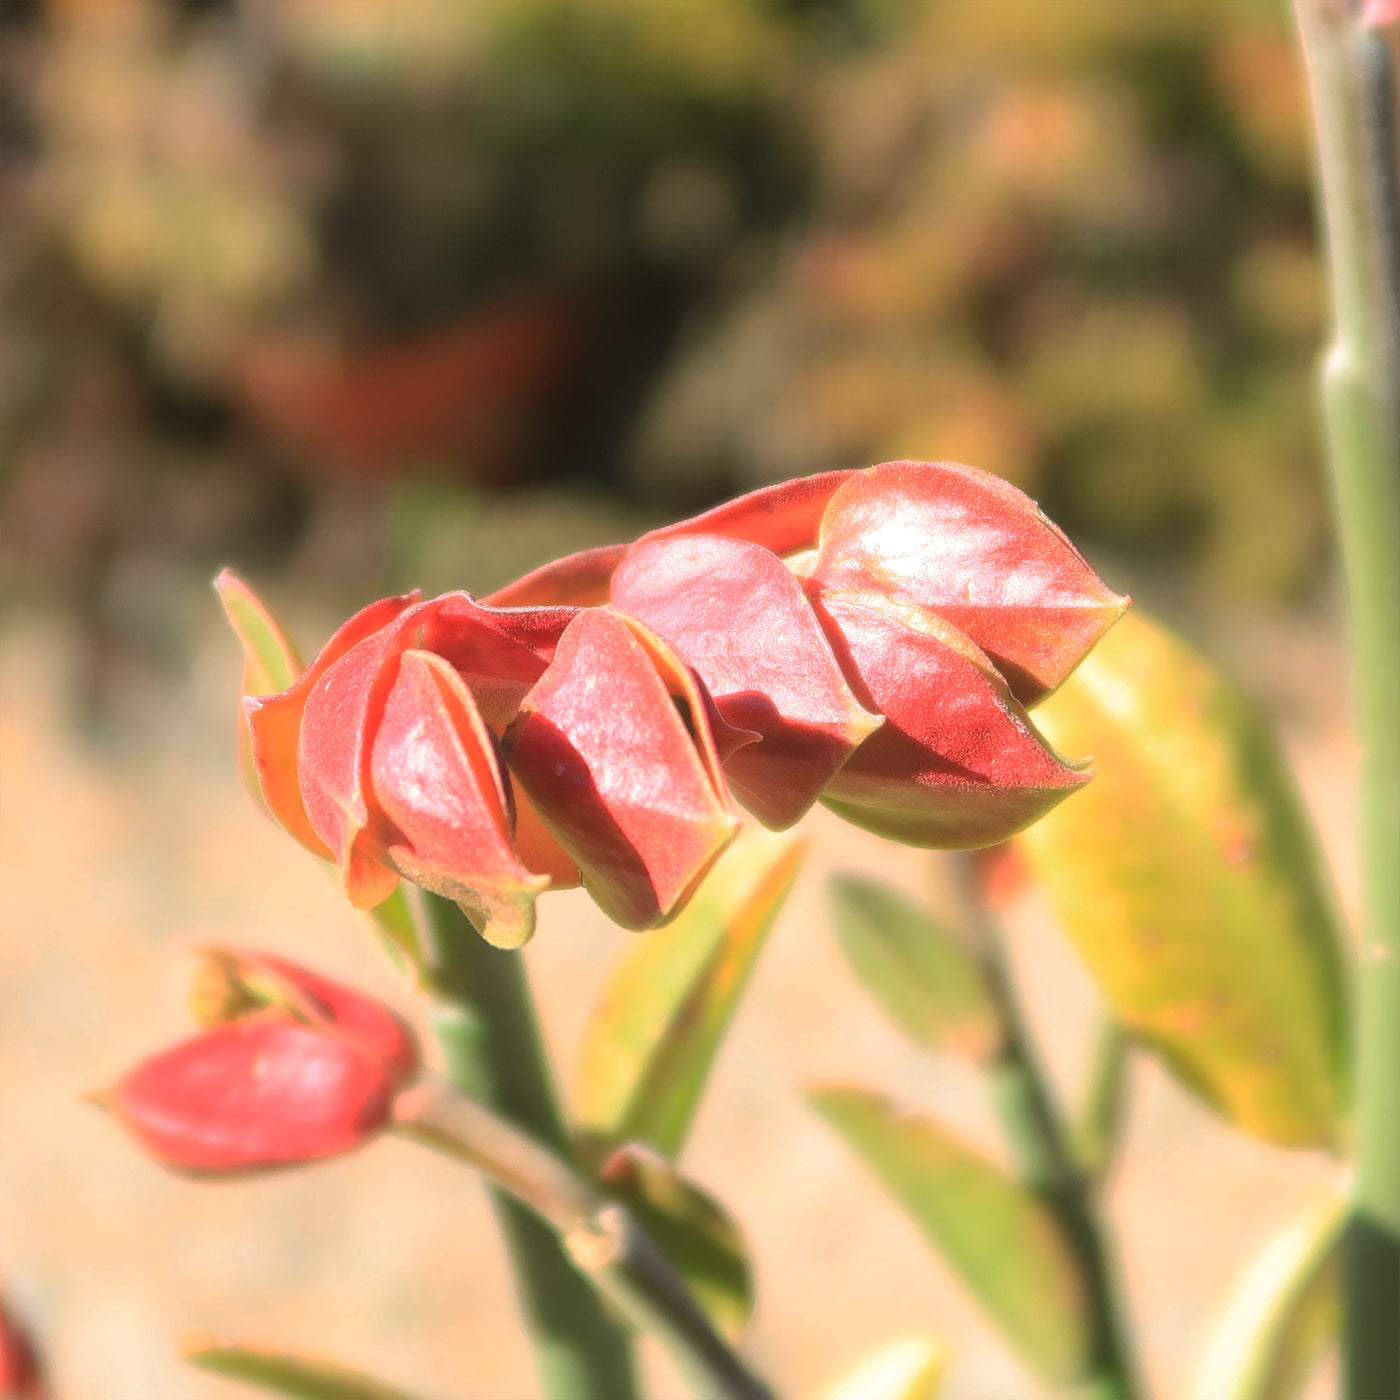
x: 870, y: 639
x: 290, y: 1067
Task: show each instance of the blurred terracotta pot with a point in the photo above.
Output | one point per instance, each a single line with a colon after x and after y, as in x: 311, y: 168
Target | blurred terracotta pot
x: 472, y: 395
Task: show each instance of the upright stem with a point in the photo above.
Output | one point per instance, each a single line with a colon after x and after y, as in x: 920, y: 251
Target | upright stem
x: 492, y: 1051
x: 1041, y: 1146
x: 1046, y: 1160
x: 1351, y: 71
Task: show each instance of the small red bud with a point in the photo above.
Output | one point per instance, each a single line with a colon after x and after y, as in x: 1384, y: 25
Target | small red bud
x: 253, y: 980
x: 262, y: 1092
x: 20, y: 1374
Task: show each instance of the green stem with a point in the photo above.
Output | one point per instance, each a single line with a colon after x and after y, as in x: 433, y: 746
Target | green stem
x: 599, y: 1235
x: 1098, y: 1126
x: 1351, y: 72
x: 1045, y: 1160
x: 492, y: 1051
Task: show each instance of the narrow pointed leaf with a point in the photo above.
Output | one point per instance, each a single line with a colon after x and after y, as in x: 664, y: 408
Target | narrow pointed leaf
x: 299, y: 1377
x: 270, y: 661
x: 997, y: 1236
x: 692, y: 1229
x: 904, y: 1371
x: 656, y: 1028
x: 1282, y: 1316
x: 1188, y: 878
x: 394, y: 925
x: 921, y: 973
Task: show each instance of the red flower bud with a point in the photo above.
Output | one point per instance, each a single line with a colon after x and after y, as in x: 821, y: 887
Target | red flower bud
x: 236, y: 982
x: 20, y: 1376
x: 305, y: 1068
x: 972, y: 548
x: 274, y: 721
x: 957, y: 764
x: 783, y: 518
x: 864, y: 637
x: 629, y: 784
x: 736, y: 614
x: 256, y: 1093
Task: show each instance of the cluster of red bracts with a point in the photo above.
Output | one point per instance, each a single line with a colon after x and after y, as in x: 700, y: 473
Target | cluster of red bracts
x: 290, y: 1067
x: 870, y: 639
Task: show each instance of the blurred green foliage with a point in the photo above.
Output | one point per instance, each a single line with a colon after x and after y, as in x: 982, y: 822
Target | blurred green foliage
x: 255, y: 255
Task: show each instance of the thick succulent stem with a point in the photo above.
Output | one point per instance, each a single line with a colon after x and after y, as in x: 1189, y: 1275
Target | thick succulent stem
x: 492, y: 1051
x: 1350, y: 52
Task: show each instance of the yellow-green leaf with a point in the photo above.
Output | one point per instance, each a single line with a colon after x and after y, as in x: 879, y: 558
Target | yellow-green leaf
x: 300, y: 1377
x: 998, y: 1236
x: 904, y: 1371
x: 921, y: 973
x: 692, y: 1229
x: 654, y: 1032
x: 1187, y: 876
x: 1282, y: 1316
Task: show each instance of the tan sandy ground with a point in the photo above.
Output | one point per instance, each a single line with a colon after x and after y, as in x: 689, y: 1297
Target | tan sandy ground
x: 388, y: 1260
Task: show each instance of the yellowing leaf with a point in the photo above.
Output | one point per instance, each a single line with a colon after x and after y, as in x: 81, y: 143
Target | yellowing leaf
x: 904, y: 1371
x: 922, y: 975
x: 999, y: 1238
x: 1187, y: 876
x: 1282, y: 1315
x: 649, y: 1045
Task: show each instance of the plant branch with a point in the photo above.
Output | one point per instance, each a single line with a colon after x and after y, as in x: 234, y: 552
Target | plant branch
x: 492, y: 1051
x: 1097, y: 1127
x: 1350, y: 55
x: 600, y: 1236
x: 1041, y: 1147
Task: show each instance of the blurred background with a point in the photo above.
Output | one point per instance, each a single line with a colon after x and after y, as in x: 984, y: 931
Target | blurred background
x: 361, y: 295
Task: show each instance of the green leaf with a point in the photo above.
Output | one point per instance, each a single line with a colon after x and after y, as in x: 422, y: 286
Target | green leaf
x: 1282, y: 1316
x: 1187, y: 876
x: 920, y: 972
x: 270, y: 661
x: 296, y: 1376
x: 904, y: 1371
x: 656, y: 1027
x: 998, y: 1236
x: 396, y: 928
x: 692, y: 1229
